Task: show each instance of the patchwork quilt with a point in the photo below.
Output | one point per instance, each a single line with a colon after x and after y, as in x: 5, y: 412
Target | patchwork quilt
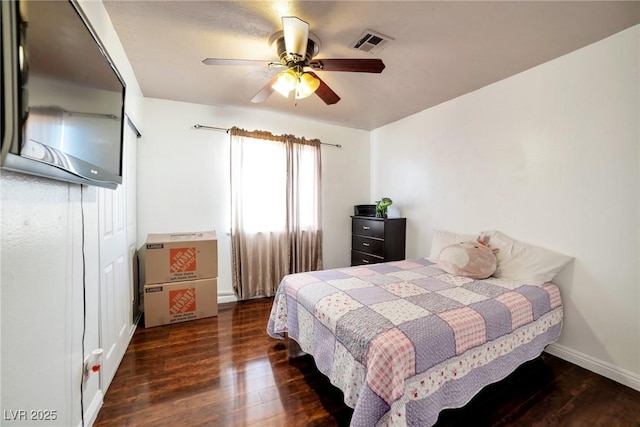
x: 404, y: 340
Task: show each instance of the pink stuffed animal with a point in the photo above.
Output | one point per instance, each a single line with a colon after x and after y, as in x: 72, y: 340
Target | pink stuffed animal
x: 475, y: 260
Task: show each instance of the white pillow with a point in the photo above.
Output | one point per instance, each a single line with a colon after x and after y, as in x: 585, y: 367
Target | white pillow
x: 442, y: 239
x: 523, y: 262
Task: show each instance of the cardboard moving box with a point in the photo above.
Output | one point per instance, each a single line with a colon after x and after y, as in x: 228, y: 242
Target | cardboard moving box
x: 166, y: 303
x: 178, y: 257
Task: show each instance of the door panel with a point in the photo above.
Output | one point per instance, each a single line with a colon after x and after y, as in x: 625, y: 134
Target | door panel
x: 116, y: 278
x: 113, y: 283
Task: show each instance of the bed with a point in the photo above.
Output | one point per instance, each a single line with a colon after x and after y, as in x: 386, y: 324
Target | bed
x: 404, y: 340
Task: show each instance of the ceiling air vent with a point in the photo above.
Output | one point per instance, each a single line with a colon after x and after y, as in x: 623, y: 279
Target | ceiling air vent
x: 371, y: 42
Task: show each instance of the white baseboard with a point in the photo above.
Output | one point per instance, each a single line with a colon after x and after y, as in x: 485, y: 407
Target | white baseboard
x: 227, y: 297
x: 91, y: 414
x: 600, y: 367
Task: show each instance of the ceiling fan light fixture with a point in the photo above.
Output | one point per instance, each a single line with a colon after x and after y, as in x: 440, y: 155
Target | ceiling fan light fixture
x: 303, y: 84
x: 286, y: 82
x: 307, y: 85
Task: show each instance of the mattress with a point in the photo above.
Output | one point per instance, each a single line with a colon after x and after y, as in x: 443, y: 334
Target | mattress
x: 404, y: 340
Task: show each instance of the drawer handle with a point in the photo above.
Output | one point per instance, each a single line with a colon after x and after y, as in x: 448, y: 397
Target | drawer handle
x: 365, y: 244
x: 364, y: 227
x: 365, y: 261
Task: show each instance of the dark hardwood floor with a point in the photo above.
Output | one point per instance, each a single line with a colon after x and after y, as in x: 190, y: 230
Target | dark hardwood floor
x: 226, y: 371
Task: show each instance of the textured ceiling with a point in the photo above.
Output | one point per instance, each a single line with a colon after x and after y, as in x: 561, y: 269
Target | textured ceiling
x: 442, y: 49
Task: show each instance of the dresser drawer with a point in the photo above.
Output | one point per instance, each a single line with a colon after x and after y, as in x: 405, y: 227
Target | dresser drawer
x: 368, y: 227
x: 367, y: 244
x: 361, y: 258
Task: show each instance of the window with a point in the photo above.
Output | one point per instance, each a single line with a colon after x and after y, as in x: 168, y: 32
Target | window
x: 276, y: 209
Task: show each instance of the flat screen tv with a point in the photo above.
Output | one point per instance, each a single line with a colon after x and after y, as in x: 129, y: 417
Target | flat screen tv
x: 62, y: 96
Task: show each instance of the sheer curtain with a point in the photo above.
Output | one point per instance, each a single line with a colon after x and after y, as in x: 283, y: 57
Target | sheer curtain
x: 275, y: 209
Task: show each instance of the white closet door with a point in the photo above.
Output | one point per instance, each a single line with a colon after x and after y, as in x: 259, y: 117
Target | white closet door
x: 116, y: 278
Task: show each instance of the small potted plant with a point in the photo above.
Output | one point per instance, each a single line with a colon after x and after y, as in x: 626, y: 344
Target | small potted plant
x: 381, y: 207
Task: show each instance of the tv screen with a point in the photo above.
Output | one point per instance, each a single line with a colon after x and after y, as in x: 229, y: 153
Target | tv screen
x: 63, y: 98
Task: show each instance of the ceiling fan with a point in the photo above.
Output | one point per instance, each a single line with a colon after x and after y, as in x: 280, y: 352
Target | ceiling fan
x: 296, y: 48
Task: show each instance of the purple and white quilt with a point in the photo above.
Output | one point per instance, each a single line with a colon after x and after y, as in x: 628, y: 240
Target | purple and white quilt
x: 404, y: 340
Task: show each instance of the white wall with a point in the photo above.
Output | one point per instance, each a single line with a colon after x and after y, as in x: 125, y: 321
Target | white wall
x: 550, y: 157
x: 41, y: 277
x: 184, y: 175
x: 41, y: 282
x: 101, y: 22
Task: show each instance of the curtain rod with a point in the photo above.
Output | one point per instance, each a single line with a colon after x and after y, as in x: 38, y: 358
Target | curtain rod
x: 199, y: 126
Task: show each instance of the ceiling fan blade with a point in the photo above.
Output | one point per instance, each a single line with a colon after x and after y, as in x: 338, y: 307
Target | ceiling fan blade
x: 352, y: 65
x: 252, y: 62
x: 324, y: 92
x: 296, y: 35
x: 265, y: 91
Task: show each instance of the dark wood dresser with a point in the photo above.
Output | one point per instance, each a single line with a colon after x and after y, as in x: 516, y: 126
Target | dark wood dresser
x: 376, y: 240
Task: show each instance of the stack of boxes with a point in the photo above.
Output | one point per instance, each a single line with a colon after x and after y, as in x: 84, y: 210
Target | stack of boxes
x: 178, y: 277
